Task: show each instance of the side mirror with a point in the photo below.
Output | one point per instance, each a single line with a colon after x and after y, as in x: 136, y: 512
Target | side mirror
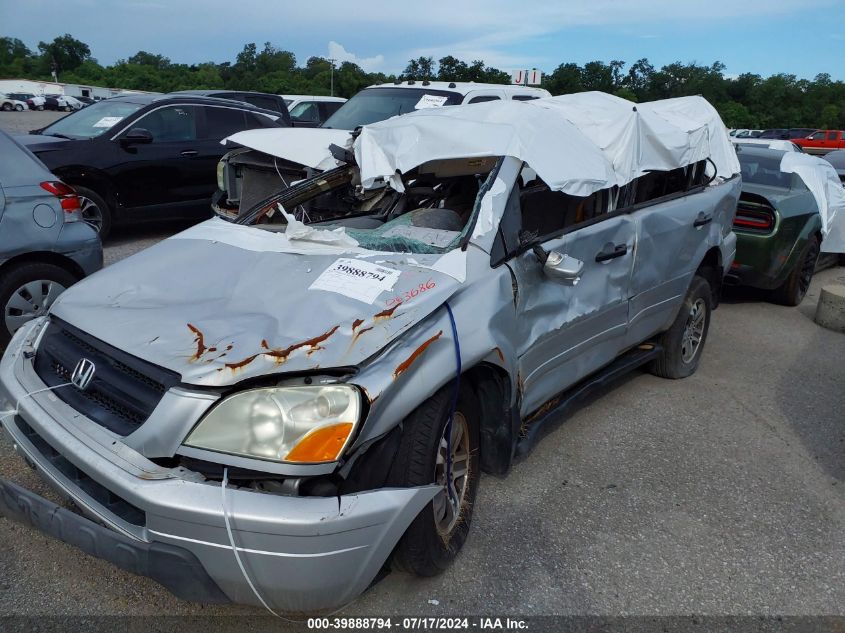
x: 562, y: 268
x: 136, y: 136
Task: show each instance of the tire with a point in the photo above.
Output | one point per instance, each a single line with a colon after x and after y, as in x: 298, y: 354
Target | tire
x: 683, y: 343
x: 7, y: 107
x: 433, y: 539
x: 39, y: 108
x: 95, y: 210
x: 19, y: 108
x: 20, y: 296
x: 794, y: 289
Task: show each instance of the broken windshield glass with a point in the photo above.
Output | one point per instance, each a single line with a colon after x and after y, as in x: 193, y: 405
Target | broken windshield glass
x: 432, y: 215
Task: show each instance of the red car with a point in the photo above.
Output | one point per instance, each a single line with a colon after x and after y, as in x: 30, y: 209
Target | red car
x: 822, y: 141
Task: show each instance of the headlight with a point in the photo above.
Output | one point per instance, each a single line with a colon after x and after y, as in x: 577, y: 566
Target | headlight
x: 286, y: 424
x: 221, y: 172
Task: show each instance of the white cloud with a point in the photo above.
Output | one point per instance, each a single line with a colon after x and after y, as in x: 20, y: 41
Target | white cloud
x: 339, y: 53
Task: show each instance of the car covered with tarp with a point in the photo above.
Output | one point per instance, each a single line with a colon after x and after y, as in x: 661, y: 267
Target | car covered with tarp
x: 792, y: 208
x: 274, y: 410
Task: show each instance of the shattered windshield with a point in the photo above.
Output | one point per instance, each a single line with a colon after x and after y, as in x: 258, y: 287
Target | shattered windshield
x: 435, y: 211
x: 377, y: 104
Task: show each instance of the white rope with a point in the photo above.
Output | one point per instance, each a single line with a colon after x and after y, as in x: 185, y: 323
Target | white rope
x: 5, y: 415
x: 223, y: 485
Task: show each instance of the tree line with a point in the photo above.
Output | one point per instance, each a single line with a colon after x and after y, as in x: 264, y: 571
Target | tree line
x: 747, y: 100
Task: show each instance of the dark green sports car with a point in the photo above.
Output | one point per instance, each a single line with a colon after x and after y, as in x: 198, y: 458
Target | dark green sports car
x: 778, y: 228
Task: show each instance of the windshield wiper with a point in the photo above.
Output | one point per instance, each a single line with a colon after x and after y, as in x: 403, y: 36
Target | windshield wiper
x: 57, y: 135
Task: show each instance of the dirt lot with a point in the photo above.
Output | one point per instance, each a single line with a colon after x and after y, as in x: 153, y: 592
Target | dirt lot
x: 720, y: 494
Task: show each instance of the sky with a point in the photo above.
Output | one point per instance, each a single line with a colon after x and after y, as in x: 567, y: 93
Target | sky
x: 800, y: 37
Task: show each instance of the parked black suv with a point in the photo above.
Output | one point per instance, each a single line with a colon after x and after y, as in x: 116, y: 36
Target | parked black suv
x: 258, y: 99
x: 144, y: 157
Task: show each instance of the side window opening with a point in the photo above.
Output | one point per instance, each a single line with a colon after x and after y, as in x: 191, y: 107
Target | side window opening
x: 170, y: 124
x: 546, y: 213
x: 659, y: 184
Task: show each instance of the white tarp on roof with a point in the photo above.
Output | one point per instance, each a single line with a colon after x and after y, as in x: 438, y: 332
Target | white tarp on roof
x: 823, y: 182
x: 576, y: 143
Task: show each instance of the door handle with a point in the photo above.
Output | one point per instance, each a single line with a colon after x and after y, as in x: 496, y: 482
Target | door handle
x: 702, y: 220
x: 188, y: 152
x: 611, y: 251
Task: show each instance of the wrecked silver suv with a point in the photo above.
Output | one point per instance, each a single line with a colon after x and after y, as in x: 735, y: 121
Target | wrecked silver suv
x: 269, y: 412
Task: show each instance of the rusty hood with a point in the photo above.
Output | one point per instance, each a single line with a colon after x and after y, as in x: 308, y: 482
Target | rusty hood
x: 218, y: 311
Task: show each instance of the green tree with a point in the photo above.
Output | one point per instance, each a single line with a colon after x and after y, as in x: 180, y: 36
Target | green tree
x: 64, y: 53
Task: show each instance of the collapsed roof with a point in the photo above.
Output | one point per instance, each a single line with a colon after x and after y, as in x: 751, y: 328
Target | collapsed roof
x: 577, y: 143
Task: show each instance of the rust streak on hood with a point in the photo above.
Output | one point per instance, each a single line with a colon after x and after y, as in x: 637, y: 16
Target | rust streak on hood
x: 417, y: 352
x: 356, y: 324
x: 199, y: 339
x: 281, y: 355
x: 386, y: 314
x: 360, y: 332
x: 243, y: 363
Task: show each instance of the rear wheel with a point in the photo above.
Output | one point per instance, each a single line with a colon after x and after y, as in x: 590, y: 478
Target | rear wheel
x: 433, y: 451
x: 7, y: 107
x: 95, y: 210
x: 26, y: 292
x: 794, y: 289
x: 683, y: 342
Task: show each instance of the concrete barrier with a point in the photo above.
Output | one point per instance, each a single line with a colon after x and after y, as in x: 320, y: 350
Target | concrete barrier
x: 830, y: 312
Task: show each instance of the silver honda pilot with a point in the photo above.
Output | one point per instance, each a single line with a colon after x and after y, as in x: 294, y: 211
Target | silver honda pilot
x: 269, y: 411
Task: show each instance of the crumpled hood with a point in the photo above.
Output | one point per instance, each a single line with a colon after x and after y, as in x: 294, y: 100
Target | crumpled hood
x: 218, y: 313
x: 305, y: 146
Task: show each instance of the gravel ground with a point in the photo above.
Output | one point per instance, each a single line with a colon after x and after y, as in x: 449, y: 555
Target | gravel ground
x: 23, y: 122
x: 721, y: 494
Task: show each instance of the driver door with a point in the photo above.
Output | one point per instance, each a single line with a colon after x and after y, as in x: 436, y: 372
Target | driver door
x: 569, y: 329
x: 160, y: 173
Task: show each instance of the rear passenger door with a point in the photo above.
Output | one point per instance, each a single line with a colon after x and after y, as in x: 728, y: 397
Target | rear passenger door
x: 567, y: 331
x: 672, y: 215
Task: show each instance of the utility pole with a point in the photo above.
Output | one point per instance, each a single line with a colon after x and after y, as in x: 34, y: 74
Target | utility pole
x: 332, y: 61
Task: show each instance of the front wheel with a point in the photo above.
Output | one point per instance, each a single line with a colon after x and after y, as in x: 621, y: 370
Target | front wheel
x: 19, y: 108
x: 683, y: 342
x: 27, y: 292
x: 434, y: 451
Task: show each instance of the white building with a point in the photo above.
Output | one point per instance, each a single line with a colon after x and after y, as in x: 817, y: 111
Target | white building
x: 35, y: 87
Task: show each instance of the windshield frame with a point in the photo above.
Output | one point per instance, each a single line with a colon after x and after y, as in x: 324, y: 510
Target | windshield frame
x: 453, y: 98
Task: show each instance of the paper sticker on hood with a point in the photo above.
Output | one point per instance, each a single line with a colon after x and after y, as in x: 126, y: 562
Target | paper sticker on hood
x: 357, y: 279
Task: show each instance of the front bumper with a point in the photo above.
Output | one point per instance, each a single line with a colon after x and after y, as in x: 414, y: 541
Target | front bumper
x: 302, y: 553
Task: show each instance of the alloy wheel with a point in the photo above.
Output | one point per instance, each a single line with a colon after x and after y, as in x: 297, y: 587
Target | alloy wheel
x: 91, y: 213
x: 449, y: 501
x: 808, y: 268
x: 31, y: 300
x: 694, y: 330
